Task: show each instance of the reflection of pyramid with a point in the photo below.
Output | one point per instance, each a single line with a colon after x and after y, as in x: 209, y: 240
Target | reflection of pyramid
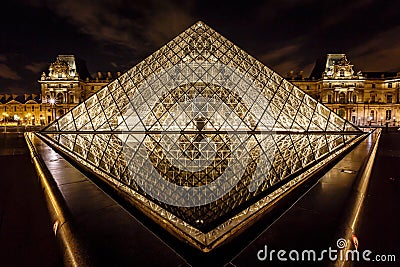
x: 201, y: 136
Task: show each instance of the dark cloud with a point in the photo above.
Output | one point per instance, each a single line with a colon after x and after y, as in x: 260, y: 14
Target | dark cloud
x: 380, y: 53
x: 134, y: 25
x: 36, y: 67
x: 7, y: 73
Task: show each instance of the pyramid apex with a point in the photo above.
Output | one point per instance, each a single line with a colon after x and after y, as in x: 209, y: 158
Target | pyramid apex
x: 199, y: 24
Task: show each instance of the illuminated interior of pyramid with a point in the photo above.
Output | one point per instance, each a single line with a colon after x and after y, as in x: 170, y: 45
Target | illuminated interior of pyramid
x: 201, y: 136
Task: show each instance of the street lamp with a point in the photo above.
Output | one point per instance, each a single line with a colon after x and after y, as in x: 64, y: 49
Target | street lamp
x: 381, y: 120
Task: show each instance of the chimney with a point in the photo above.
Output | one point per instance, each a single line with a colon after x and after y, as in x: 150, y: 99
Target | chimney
x: 109, y: 75
x: 99, y: 75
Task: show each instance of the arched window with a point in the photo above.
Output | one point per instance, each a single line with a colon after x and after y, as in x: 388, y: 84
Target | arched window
x: 342, y: 98
x: 341, y: 113
x: 60, y: 98
x: 372, y: 115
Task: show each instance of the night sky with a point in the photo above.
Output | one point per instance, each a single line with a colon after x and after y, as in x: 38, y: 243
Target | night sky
x: 115, y: 35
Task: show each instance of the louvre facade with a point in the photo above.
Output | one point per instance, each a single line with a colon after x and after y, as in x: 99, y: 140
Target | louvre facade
x: 365, y: 98
x: 201, y: 136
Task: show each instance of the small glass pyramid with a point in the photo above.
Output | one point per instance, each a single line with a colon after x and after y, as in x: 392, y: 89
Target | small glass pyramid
x: 201, y: 136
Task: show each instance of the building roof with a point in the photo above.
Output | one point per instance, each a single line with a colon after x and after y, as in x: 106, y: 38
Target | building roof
x: 319, y: 68
x: 20, y: 99
x: 326, y: 65
x: 379, y: 74
x: 82, y: 69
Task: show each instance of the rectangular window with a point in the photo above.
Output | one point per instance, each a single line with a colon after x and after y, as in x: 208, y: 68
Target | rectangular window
x: 15, y: 108
x: 24, y: 108
x: 329, y: 99
x: 389, y: 99
x: 71, y: 97
x: 372, y: 98
x: 373, y: 85
x: 388, y: 114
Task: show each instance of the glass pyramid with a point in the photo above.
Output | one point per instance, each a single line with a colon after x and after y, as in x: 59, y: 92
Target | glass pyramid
x: 201, y: 136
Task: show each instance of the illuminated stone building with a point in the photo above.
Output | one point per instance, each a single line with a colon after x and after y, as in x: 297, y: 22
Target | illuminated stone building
x: 364, y: 98
x: 26, y: 109
x: 67, y: 84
